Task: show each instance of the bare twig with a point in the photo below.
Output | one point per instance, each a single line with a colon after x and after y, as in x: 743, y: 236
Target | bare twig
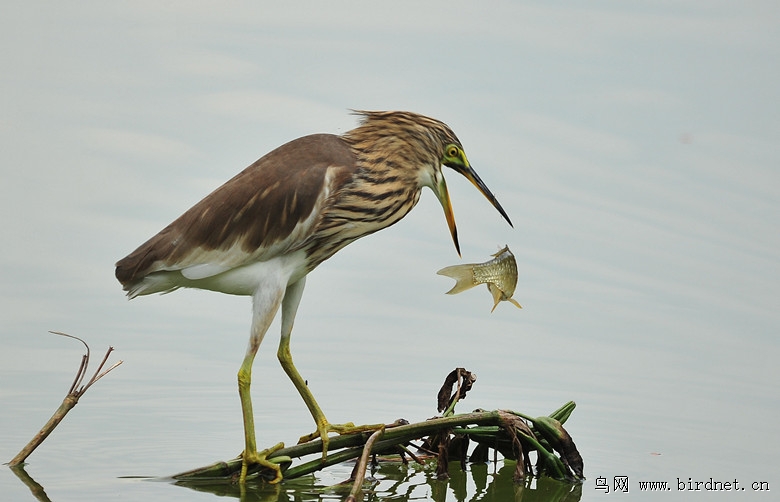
x: 403, y: 449
x: 360, y: 468
x: 74, y: 393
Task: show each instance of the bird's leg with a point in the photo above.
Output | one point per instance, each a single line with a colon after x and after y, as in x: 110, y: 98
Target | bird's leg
x: 292, y: 298
x: 265, y: 307
x: 250, y: 454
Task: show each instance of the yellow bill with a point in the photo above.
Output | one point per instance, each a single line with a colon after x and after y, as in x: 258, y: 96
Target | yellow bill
x: 461, y: 165
x: 444, y: 198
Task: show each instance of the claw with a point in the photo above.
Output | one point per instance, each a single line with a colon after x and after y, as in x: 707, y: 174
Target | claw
x: 261, y: 458
x: 324, y: 428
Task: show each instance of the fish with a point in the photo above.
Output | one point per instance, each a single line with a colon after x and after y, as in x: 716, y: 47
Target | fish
x: 500, y: 275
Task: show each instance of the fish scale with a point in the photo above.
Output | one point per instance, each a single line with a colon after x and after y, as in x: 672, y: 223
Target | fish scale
x: 501, y: 271
x: 500, y: 275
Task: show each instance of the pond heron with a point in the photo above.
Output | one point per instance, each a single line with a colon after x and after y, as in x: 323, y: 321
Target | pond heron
x: 264, y: 230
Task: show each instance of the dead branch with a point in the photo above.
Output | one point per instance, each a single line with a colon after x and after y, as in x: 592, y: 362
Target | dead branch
x: 360, y: 468
x: 71, y: 399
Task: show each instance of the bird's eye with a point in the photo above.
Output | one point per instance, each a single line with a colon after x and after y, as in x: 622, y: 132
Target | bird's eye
x: 452, y: 151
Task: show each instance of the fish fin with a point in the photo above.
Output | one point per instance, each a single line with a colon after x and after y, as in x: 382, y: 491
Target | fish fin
x: 463, y: 275
x: 498, y: 295
x: 515, y: 302
x: 502, y: 251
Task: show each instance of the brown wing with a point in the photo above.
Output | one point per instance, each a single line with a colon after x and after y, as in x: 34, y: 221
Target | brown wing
x: 266, y: 209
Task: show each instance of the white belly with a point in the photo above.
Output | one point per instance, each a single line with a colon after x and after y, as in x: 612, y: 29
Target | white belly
x: 243, y: 280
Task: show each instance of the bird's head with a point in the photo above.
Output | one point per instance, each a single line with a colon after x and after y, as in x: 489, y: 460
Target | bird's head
x: 455, y: 158
x: 424, y: 145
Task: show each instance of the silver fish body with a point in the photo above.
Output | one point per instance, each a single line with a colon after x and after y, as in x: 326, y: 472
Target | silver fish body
x: 500, y: 275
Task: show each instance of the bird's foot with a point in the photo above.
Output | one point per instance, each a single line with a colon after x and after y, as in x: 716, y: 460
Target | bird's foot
x: 260, y: 458
x: 324, y: 428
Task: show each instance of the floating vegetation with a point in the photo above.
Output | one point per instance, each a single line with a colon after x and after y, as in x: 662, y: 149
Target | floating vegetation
x: 540, y: 446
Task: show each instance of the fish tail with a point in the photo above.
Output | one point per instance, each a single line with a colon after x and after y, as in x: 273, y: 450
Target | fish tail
x: 463, y: 275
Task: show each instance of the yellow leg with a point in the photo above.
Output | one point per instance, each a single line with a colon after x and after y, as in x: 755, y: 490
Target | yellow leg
x: 265, y: 303
x: 292, y: 298
x: 251, y: 455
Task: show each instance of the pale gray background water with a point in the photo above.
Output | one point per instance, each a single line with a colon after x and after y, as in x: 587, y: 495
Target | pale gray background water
x: 634, y: 145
